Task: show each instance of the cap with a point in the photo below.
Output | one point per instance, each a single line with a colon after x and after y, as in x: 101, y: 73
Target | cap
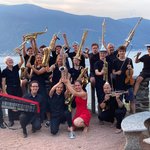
x: 75, y: 43
x: 147, y: 45
x: 103, y: 49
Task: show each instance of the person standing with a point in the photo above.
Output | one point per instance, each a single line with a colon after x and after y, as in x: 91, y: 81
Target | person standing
x: 11, y: 83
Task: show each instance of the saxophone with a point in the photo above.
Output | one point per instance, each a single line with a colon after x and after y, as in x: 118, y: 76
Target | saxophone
x: 83, y: 76
x: 105, y: 68
x: 78, y: 54
x: 63, y: 69
x: 68, y: 101
x: 47, y: 50
x: 131, y: 34
x: 33, y: 35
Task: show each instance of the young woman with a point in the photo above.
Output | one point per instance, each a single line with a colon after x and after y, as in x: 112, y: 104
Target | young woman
x: 82, y: 116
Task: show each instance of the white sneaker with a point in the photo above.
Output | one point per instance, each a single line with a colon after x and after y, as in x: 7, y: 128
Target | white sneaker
x: 47, y: 123
x: 72, y: 135
x: 147, y: 140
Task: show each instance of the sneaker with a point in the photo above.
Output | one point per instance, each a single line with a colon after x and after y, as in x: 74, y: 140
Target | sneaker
x: 71, y: 135
x: 2, y: 126
x: 47, y: 123
x: 147, y: 140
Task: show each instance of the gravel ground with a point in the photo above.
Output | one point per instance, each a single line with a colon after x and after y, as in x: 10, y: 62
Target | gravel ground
x: 99, y: 137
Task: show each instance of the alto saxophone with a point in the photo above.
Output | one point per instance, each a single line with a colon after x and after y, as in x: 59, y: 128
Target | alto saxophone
x: 83, y: 76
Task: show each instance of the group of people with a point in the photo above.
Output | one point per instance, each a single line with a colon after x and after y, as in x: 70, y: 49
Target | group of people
x: 60, y: 87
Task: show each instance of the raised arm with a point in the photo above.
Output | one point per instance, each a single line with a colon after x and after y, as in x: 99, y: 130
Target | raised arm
x: 51, y: 92
x: 81, y: 94
x: 137, y: 57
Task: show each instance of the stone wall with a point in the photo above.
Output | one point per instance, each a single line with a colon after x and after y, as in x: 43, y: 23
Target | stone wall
x: 142, y: 98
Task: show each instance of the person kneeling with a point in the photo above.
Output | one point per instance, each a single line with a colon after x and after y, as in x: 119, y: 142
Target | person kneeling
x: 112, y: 107
x: 31, y: 117
x: 58, y: 110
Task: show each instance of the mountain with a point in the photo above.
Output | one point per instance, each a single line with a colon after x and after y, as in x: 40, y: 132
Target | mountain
x: 18, y: 20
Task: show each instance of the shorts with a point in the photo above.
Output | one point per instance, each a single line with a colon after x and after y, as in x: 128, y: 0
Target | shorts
x: 144, y: 74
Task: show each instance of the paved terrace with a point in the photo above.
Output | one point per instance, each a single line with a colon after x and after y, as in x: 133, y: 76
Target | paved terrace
x: 99, y: 137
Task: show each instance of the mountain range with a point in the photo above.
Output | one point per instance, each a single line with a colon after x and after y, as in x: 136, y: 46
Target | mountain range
x: 18, y: 20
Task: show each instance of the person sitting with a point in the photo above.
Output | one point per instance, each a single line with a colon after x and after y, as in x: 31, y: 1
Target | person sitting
x: 112, y: 107
x: 32, y: 117
x: 145, y: 59
x: 58, y: 110
x: 82, y: 116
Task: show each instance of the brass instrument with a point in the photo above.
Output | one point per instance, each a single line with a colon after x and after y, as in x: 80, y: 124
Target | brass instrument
x: 47, y: 50
x: 20, y: 47
x: 78, y: 54
x: 113, y: 93
x: 33, y: 35
x: 24, y: 70
x: 105, y: 69
x: 63, y: 69
x: 68, y: 101
x: 103, y: 47
x: 83, y: 76
x: 131, y: 34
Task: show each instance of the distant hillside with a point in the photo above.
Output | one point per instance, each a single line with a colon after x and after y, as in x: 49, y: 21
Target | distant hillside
x: 18, y: 20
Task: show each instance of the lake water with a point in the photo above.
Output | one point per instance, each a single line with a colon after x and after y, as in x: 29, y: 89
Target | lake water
x: 137, y: 68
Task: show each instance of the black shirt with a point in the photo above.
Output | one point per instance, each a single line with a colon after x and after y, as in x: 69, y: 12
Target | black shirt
x: 120, y: 79
x: 146, y: 60
x: 93, y: 58
x: 26, y: 57
x: 37, y: 98
x: 0, y: 78
x: 12, y: 76
x: 74, y: 74
x: 73, y: 54
x: 57, y: 104
x: 56, y: 75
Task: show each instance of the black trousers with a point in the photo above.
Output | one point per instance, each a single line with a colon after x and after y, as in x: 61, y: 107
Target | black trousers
x: 27, y: 118
x: 56, y: 121
x: 109, y: 116
x: 1, y: 116
x: 16, y: 91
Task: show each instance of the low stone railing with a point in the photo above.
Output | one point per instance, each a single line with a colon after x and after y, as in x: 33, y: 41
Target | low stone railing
x: 142, y: 97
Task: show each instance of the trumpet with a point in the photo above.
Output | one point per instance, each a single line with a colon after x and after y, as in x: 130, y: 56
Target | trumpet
x: 34, y: 35
x: 20, y: 47
x: 113, y: 93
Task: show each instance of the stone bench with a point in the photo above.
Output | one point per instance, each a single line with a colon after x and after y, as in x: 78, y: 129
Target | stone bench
x: 132, y: 127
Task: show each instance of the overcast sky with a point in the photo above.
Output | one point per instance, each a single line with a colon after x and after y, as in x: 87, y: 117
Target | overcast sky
x: 107, y: 8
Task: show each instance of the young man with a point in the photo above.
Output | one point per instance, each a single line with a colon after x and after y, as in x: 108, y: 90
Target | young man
x: 31, y: 117
x: 145, y: 59
x: 121, y: 65
x: 112, y: 107
x: 11, y: 83
x: 58, y: 110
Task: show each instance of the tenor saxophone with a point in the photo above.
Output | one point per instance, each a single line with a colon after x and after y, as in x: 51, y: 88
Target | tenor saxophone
x: 83, y: 76
x: 47, y: 51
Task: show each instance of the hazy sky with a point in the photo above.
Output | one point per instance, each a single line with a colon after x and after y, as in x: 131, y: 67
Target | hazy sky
x: 108, y: 8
